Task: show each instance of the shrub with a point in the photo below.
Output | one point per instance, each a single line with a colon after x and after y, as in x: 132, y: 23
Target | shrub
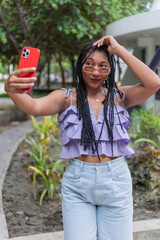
x: 149, y: 125
x: 134, y: 123
x: 145, y: 167
x: 50, y: 171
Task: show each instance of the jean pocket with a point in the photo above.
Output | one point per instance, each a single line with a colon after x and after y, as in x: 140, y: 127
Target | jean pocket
x: 122, y: 172
x: 72, y: 173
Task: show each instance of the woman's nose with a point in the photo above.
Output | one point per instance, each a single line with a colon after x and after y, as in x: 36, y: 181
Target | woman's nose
x: 96, y: 71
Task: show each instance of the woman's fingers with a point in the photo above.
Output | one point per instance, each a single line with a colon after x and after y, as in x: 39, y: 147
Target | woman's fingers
x: 17, y: 87
x: 14, y: 81
x: 16, y: 84
x: 23, y: 70
x: 23, y: 80
x: 98, y: 43
x: 110, y: 42
x: 102, y: 41
x: 22, y: 85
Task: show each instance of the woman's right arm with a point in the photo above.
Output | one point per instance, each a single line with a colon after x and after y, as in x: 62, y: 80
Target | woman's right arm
x: 44, y: 106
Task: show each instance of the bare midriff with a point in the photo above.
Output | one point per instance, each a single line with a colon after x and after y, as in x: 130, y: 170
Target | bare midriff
x: 94, y: 159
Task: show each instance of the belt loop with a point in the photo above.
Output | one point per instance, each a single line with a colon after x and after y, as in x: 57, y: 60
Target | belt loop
x: 109, y: 166
x: 81, y: 166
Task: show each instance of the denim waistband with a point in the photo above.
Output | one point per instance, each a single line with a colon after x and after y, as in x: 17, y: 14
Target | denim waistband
x: 87, y: 165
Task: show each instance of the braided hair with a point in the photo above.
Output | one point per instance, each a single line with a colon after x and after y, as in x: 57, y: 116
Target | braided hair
x: 88, y: 139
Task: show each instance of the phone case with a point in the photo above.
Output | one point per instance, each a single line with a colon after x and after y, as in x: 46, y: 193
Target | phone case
x: 29, y: 58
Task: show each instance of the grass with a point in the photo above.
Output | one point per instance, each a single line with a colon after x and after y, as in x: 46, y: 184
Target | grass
x: 2, y: 81
x: 4, y: 95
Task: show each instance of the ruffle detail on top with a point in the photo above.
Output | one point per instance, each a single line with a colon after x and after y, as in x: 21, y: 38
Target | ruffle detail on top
x: 71, y: 128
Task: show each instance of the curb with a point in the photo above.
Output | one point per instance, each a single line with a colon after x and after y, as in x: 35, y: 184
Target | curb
x: 43, y: 236
x: 11, y: 113
x: 146, y: 229
x: 9, y: 141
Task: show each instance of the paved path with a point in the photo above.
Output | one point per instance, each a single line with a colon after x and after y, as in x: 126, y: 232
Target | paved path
x: 6, y: 101
x: 2, y: 88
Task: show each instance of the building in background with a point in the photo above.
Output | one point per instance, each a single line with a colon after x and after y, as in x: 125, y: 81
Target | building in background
x: 141, y: 34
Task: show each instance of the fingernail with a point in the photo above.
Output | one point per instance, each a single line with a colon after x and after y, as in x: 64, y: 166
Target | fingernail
x: 34, y: 78
x: 32, y: 84
x: 33, y: 68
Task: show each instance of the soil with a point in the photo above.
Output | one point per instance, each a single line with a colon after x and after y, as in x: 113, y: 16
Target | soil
x: 7, y: 127
x: 25, y: 216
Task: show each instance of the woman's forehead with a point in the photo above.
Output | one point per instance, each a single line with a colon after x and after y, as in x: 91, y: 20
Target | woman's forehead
x: 98, y: 56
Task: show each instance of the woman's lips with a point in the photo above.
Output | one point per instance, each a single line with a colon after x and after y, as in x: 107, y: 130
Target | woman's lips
x: 95, y: 80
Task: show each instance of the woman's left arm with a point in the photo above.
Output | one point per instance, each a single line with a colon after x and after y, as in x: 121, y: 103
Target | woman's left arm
x: 149, y: 81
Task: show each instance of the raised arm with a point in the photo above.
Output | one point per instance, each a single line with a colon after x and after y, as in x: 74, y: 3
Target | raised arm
x: 149, y: 81
x: 44, y: 106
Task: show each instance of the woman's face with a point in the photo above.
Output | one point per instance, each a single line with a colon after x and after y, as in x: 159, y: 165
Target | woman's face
x: 95, y: 70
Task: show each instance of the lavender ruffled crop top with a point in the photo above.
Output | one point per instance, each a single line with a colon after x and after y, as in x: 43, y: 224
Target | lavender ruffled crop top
x: 71, y: 126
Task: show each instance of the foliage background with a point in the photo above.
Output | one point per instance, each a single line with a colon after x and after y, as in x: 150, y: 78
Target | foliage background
x: 58, y: 27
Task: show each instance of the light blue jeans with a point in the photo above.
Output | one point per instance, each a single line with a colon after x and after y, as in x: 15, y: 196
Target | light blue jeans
x: 97, y: 202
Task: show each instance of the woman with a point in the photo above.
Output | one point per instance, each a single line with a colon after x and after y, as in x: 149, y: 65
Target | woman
x: 97, y: 186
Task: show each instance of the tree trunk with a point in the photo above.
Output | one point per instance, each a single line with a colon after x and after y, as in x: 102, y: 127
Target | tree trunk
x: 48, y: 73
x: 40, y: 69
x: 73, y: 71
x: 62, y: 70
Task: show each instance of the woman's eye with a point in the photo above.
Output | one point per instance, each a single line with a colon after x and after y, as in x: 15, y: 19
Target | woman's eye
x: 103, y: 66
x: 89, y: 64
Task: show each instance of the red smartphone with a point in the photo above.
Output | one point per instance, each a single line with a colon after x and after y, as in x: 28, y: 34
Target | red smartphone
x: 29, y: 58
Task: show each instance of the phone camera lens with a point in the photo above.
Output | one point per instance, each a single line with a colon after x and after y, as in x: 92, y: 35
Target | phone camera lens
x: 26, y: 52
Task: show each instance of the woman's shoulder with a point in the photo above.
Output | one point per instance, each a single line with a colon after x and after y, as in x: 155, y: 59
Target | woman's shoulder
x: 73, y: 91
x: 120, y: 94
x: 69, y: 96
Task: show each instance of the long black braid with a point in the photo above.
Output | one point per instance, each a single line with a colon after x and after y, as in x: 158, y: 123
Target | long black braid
x: 88, y: 139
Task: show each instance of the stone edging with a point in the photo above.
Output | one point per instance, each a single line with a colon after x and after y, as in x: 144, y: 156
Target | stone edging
x: 43, y: 236
x: 9, y: 141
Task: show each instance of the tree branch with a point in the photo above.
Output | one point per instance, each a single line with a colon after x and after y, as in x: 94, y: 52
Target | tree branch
x: 41, y: 35
x: 9, y: 35
x: 24, y: 24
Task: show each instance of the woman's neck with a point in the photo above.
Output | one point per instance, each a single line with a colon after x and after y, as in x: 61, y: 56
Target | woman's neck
x: 95, y: 92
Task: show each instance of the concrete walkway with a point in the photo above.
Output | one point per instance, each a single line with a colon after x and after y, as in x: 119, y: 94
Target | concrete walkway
x: 6, y: 101
x: 9, y: 141
x: 2, y: 88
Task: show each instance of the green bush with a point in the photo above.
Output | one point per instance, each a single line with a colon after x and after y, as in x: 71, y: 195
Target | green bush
x: 4, y: 95
x: 145, y: 167
x: 135, y: 118
x: 50, y: 171
x: 149, y: 125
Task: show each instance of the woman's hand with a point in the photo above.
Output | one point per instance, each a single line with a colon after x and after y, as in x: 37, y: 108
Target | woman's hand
x: 16, y: 84
x: 111, y: 43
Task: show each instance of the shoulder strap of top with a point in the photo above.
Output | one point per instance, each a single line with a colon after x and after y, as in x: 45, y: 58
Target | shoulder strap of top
x: 116, y: 95
x: 67, y: 93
